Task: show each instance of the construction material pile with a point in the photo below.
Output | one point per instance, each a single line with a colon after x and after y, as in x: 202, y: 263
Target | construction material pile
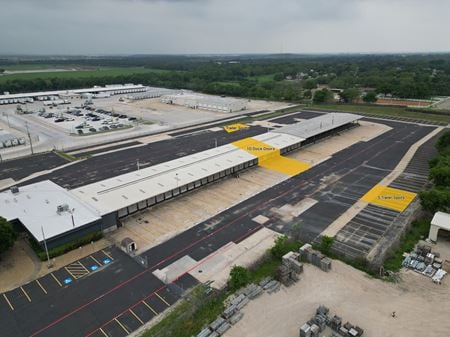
x: 290, y: 268
x: 233, y: 305
x: 323, y: 324
x: 307, y: 253
x: 423, y: 261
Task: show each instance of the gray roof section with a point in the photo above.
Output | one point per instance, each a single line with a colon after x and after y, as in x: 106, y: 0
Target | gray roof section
x: 318, y: 125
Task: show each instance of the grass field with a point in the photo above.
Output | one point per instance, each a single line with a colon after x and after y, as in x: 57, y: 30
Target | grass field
x: 383, y: 111
x: 98, y: 72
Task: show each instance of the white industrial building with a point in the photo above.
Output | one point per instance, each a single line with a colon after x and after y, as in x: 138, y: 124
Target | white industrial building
x: 115, y: 198
x: 152, y: 92
x: 211, y: 103
x: 116, y: 89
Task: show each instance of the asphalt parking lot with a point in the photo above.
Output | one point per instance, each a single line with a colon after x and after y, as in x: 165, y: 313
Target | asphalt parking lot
x: 361, y: 234
x: 119, y: 162
x: 23, y: 167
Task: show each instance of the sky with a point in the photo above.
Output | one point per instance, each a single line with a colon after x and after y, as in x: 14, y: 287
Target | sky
x: 103, y: 27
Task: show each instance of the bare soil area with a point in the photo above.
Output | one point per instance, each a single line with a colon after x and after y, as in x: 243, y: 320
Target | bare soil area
x: 421, y: 306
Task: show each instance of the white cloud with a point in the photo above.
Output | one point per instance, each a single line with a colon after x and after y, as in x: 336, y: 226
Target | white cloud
x: 218, y: 26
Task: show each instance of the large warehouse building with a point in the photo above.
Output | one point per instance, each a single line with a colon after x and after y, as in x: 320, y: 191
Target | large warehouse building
x: 114, y: 89
x: 46, y: 209
x: 211, y: 103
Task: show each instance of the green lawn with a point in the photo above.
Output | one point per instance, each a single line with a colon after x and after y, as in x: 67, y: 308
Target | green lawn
x: 383, y: 111
x: 98, y: 72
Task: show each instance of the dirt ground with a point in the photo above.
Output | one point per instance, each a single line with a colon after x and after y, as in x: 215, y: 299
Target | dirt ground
x: 421, y: 306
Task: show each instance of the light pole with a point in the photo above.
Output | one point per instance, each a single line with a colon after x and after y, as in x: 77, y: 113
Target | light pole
x: 29, y: 138
x: 46, y: 249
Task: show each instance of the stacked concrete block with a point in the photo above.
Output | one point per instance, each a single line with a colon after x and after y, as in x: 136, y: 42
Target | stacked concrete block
x: 305, y: 330
x: 290, y: 268
x: 307, y: 253
x: 252, y: 291
x: 319, y: 323
x: 217, y: 323
x: 336, y: 323
x: 204, y: 333
x: 223, y: 328
x: 325, y: 264
x: 315, y: 330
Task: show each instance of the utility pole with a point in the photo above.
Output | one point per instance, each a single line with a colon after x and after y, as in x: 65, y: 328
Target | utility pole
x: 138, y: 165
x: 46, y: 249
x: 215, y: 142
x: 29, y: 138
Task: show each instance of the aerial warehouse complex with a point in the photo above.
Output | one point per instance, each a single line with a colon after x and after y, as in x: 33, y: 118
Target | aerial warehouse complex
x: 68, y: 214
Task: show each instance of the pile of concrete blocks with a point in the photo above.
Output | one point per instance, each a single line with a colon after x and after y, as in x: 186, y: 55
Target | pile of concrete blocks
x: 270, y: 285
x: 316, y: 325
x: 307, y: 253
x: 422, y: 260
x: 290, y: 268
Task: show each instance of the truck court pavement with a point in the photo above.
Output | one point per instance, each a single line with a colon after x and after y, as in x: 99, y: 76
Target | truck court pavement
x: 99, y: 304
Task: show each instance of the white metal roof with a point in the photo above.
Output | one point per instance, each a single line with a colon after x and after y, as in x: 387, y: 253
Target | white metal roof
x: 441, y: 220
x: 278, y: 140
x: 35, y: 205
x: 76, y: 91
x: 119, y: 192
x: 317, y: 125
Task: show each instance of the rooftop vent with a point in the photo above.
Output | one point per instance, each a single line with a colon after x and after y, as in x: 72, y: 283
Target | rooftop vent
x: 62, y: 208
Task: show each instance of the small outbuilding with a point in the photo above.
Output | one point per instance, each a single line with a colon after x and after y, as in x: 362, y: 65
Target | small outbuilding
x: 440, y: 220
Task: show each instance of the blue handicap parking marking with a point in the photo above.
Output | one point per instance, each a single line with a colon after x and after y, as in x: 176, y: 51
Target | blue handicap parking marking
x: 106, y: 261
x: 67, y: 280
x: 94, y: 267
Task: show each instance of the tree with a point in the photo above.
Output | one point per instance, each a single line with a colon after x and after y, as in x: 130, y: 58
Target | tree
x: 322, y: 96
x: 350, y: 95
x: 440, y: 173
x: 7, y: 235
x: 443, y: 144
x: 326, y: 244
x: 370, y: 97
x: 436, y: 199
x: 310, y: 84
x: 239, y: 277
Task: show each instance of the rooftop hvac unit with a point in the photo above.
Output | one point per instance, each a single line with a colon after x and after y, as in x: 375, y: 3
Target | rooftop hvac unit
x: 14, y: 189
x: 62, y: 208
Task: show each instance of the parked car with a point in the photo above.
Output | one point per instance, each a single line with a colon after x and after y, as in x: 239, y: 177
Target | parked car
x: 132, y: 118
x: 59, y: 120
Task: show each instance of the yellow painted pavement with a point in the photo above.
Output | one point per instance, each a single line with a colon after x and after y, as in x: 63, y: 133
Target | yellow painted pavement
x: 270, y: 158
x: 388, y: 197
x: 235, y: 127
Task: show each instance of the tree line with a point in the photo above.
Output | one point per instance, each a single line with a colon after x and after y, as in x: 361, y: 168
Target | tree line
x: 287, y: 77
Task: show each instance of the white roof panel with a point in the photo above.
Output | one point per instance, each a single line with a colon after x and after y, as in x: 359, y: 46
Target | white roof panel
x: 131, y: 188
x: 35, y: 205
x: 317, y: 125
x: 76, y: 91
x: 441, y: 220
x: 278, y: 140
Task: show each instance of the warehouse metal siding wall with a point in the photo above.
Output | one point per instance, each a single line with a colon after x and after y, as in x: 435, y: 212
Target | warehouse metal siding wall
x: 132, y: 209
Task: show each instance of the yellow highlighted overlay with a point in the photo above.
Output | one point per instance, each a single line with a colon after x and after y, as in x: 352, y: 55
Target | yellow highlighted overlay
x: 388, y: 197
x: 270, y: 158
x: 235, y: 127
